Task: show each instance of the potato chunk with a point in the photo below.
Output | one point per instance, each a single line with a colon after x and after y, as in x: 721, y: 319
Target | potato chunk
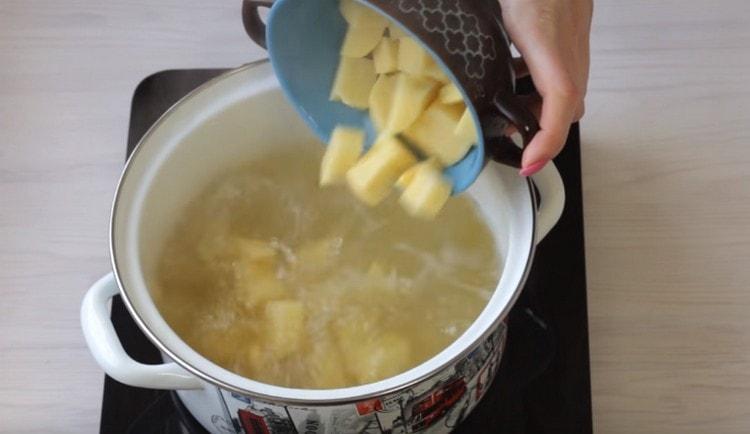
x: 406, y: 178
x: 449, y: 94
x: 342, y: 153
x: 434, y: 134
x: 256, y: 251
x: 358, y: 15
x: 360, y: 41
x: 381, y: 99
x: 353, y: 83
x: 411, y: 96
x: 286, y: 326
x: 326, y: 366
x: 466, y: 130
x: 395, y: 32
x: 255, y: 285
x: 316, y: 256
x: 435, y: 72
x: 376, y: 358
x: 412, y: 57
x: 385, y: 56
x: 372, y: 178
x: 427, y: 192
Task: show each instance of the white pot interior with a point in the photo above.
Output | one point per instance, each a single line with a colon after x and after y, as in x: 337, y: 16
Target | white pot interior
x: 228, y: 122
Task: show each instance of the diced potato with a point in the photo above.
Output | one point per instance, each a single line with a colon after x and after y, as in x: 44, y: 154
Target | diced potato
x: 385, y: 56
x: 412, y: 57
x: 395, y: 32
x: 353, y: 83
x: 378, y: 358
x: 405, y: 179
x: 255, y: 285
x: 435, y: 72
x: 286, y: 326
x: 358, y: 15
x: 326, y: 366
x: 256, y: 251
x: 342, y: 153
x: 314, y: 257
x: 427, y: 192
x: 449, y: 94
x: 381, y: 99
x: 372, y: 178
x: 466, y: 130
x: 360, y: 41
x: 256, y: 359
x: 411, y: 96
x: 433, y: 133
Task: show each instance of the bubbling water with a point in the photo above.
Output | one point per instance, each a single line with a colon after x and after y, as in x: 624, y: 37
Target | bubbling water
x: 283, y: 282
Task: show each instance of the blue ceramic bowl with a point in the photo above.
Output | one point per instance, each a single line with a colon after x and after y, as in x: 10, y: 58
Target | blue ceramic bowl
x: 304, y: 38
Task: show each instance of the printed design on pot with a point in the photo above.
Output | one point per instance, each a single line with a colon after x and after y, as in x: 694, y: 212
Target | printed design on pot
x: 460, y: 31
x: 436, y: 405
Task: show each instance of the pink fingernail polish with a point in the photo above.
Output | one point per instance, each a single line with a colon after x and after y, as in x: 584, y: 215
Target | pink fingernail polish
x: 533, y: 168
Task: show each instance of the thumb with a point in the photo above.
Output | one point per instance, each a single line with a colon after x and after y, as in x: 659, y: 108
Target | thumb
x: 558, y: 112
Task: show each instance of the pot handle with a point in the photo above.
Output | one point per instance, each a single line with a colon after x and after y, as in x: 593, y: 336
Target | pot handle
x: 105, y: 345
x: 552, y: 198
x: 254, y: 26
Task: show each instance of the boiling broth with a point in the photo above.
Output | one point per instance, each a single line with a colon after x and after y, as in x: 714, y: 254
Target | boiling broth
x: 281, y: 281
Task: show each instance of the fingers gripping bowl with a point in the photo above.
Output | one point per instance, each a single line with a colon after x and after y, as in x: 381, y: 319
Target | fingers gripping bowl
x: 236, y: 118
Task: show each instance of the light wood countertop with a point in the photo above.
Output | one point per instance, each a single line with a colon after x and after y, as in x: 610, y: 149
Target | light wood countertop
x: 666, y: 174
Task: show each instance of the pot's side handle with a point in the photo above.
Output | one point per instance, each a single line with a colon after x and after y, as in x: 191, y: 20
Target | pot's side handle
x: 552, y: 198
x: 254, y: 26
x: 104, y: 344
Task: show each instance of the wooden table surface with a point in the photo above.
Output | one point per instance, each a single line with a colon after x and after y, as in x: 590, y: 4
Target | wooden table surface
x: 666, y: 168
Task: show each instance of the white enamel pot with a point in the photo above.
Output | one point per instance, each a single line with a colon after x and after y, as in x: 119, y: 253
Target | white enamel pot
x: 224, y: 124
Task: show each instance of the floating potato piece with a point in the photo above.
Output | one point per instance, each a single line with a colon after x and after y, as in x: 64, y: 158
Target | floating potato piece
x: 466, y: 130
x: 256, y: 359
x: 449, y: 94
x: 412, y: 57
x: 434, y: 134
x: 286, y: 326
x: 427, y: 192
x: 358, y: 15
x: 314, y: 257
x: 255, y: 251
x: 255, y: 285
x: 378, y: 358
x: 353, y: 83
x: 326, y: 366
x: 342, y: 153
x: 360, y: 41
x: 411, y: 96
x: 395, y: 32
x: 385, y: 56
x: 372, y: 178
x: 381, y: 99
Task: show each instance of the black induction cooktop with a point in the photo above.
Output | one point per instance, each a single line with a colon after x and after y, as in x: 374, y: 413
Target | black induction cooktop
x: 543, y: 384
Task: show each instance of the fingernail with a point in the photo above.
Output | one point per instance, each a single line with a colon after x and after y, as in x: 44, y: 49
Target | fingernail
x: 533, y: 168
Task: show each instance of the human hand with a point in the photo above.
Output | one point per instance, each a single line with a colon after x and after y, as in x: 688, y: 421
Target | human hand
x: 553, y: 38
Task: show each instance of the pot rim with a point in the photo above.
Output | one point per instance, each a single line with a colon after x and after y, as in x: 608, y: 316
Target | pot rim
x: 354, y: 398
